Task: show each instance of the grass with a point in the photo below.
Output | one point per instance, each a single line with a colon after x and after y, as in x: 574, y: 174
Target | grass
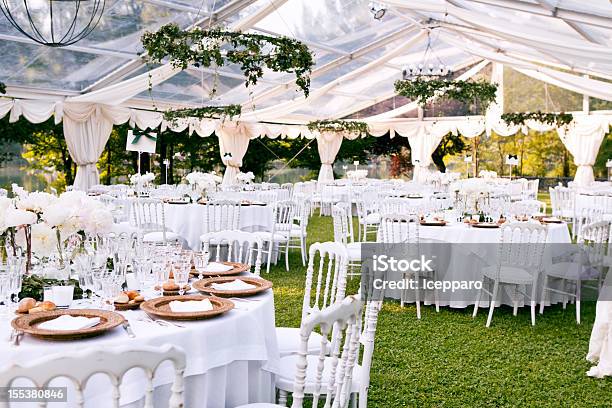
x: 449, y: 359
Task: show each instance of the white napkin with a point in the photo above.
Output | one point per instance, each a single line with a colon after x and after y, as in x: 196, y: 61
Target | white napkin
x: 236, y: 284
x: 551, y: 219
x: 67, y: 322
x: 203, y: 305
x: 217, y: 267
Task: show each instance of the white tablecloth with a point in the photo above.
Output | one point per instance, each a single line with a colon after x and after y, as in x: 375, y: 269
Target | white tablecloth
x: 231, y: 360
x: 469, y: 255
x: 187, y: 220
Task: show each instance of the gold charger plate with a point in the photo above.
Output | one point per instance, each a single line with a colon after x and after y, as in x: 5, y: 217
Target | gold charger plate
x: 237, y: 268
x: 160, y: 307
x: 29, y: 324
x: 433, y: 223
x: 204, y: 286
x: 485, y: 225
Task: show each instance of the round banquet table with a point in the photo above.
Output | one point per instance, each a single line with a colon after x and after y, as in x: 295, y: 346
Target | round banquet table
x: 187, y: 220
x: 465, y: 250
x: 231, y: 359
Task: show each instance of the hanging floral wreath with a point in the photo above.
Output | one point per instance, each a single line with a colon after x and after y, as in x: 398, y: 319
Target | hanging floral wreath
x: 422, y: 90
x: 206, y: 112
x: 252, y: 52
x: 553, y: 119
x: 359, y: 128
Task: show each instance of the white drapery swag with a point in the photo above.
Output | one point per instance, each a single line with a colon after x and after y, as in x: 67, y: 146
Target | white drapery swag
x: 583, y: 138
x: 234, y: 139
x: 328, y: 145
x: 87, y: 128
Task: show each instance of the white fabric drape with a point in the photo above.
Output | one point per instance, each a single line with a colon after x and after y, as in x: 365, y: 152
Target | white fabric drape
x: 328, y: 145
x: 87, y: 128
x: 583, y: 138
x: 233, y: 139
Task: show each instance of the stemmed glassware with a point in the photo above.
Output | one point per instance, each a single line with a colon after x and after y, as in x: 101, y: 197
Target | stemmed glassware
x: 181, y: 276
x: 201, y: 262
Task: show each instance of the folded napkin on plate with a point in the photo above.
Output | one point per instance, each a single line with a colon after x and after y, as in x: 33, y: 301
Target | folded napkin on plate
x: 217, y: 267
x: 236, y: 284
x: 67, y: 322
x: 551, y: 219
x: 191, y: 306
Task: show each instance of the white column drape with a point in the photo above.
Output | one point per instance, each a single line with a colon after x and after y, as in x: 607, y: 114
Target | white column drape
x: 87, y: 128
x: 234, y: 139
x: 328, y: 145
x: 423, y: 142
x: 583, y: 138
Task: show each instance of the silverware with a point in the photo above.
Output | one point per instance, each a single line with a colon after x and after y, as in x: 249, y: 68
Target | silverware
x: 17, y: 337
x: 163, y: 323
x: 128, y: 329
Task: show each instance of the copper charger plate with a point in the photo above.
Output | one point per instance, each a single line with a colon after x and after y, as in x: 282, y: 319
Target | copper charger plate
x: 29, y: 324
x: 485, y: 225
x: 433, y: 223
x: 177, y: 202
x: 127, y: 306
x: 204, y: 286
x: 237, y: 268
x: 160, y: 307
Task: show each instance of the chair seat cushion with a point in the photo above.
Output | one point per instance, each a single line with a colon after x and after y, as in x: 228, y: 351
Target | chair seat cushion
x: 288, y: 339
x: 159, y: 236
x: 572, y: 271
x: 354, y: 251
x: 286, y: 376
x: 267, y: 236
x: 297, y: 232
x: 508, y: 274
x: 372, y: 218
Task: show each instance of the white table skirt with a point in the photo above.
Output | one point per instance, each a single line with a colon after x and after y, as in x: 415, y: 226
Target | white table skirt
x: 231, y: 360
x: 467, y: 258
x: 187, y: 220
x: 600, y: 345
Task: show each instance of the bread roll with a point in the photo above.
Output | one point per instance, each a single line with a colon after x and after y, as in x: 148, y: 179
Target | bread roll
x: 170, y: 285
x: 47, y: 306
x: 26, y: 304
x: 35, y: 310
x: 122, y: 298
x: 132, y: 294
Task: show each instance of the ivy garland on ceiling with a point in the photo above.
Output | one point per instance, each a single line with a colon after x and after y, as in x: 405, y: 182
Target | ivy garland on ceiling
x: 251, y: 52
x: 359, y: 128
x: 421, y: 90
x: 553, y: 119
x: 206, y: 112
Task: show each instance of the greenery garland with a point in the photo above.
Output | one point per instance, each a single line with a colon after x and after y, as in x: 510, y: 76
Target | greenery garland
x: 252, y: 52
x: 206, y: 112
x: 554, y: 119
x: 2, y: 88
x: 360, y: 128
x: 421, y: 90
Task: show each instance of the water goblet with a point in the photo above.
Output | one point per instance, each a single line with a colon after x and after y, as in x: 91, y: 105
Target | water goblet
x: 181, y: 278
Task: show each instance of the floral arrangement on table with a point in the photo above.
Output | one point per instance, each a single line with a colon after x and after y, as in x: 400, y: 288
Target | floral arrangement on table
x: 142, y: 179
x: 357, y: 174
x: 441, y: 179
x: 487, y: 174
x: 45, y: 225
x: 245, y: 178
x: 201, y: 180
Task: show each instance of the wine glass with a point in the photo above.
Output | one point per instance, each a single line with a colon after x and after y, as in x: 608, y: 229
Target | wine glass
x: 161, y: 272
x: 181, y: 277
x: 200, y: 262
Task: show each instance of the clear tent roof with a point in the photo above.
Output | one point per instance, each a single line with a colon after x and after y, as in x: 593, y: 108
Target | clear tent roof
x: 357, y: 57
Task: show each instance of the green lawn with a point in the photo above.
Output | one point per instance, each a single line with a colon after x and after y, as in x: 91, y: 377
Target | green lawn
x: 449, y: 359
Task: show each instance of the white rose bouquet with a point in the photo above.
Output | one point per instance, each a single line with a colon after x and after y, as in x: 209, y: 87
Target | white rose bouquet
x: 245, y: 177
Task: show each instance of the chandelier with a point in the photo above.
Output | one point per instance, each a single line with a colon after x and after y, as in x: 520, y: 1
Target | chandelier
x: 54, y: 23
x: 427, y: 71
x: 430, y: 71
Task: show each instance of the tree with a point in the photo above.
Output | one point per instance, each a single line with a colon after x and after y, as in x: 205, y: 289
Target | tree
x: 449, y: 145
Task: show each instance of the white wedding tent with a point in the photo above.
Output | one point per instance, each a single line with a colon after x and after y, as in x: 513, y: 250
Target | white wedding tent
x: 102, y: 80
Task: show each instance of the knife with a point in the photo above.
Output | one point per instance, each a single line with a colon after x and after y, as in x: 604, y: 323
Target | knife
x: 128, y: 329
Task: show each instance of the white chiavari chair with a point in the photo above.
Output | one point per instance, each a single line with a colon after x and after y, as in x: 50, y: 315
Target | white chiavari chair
x: 235, y: 246
x: 298, y: 234
x: 519, y: 263
x: 563, y: 203
x: 77, y: 366
x: 221, y: 215
x: 584, y: 217
x: 150, y: 217
x: 278, y: 238
x: 342, y: 235
x: 586, y: 266
x: 325, y: 284
x: 367, y: 214
x: 328, y: 379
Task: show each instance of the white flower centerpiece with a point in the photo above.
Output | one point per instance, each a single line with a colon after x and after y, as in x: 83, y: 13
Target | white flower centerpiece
x: 355, y: 175
x: 200, y: 181
x: 245, y: 178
